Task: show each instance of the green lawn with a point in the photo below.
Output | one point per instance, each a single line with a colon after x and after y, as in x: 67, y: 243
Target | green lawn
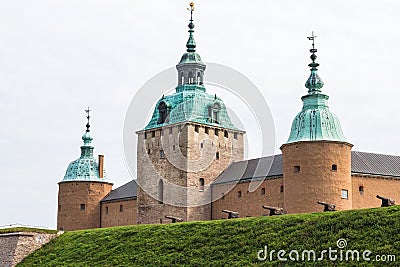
x: 26, y: 229
x: 228, y: 242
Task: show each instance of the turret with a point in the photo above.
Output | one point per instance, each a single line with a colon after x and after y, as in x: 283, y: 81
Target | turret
x: 83, y: 187
x: 316, y: 157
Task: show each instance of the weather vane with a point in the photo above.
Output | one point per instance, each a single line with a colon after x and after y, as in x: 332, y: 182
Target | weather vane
x: 312, y: 38
x: 88, y: 119
x: 191, y: 4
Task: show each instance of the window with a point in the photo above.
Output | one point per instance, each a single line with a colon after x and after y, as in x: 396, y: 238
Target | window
x: 199, y: 78
x: 216, y: 132
x: 201, y: 145
x: 281, y: 189
x: 201, y: 183
x: 162, y: 154
x: 170, y: 130
x: 239, y: 194
x: 153, y: 133
x: 345, y: 194
x: 262, y: 191
x: 163, y: 113
x: 182, y: 78
x: 160, y: 191
x: 217, y: 155
x: 206, y: 130
x: 226, y: 134
x: 106, y: 210
x: 173, y: 147
x: 121, y: 208
x: 145, y: 135
x: 296, y: 168
x: 235, y: 136
x: 196, y: 128
x: 334, y: 167
x: 83, y: 207
x: 191, y: 78
x: 361, y: 189
x: 213, y: 112
x: 148, y: 151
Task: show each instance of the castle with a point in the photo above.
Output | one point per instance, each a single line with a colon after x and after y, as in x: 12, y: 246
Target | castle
x: 190, y: 128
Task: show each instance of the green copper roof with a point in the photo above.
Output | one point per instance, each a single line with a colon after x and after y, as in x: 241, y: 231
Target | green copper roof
x: 315, y: 121
x: 84, y: 168
x: 190, y: 102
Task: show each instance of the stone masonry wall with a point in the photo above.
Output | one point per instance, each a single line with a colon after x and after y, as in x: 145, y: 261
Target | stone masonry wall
x: 14, y: 247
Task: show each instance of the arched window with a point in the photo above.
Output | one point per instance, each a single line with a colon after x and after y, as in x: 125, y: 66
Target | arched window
x: 199, y: 78
x: 163, y: 113
x: 161, y: 192
x: 226, y: 134
x: 182, y: 78
x: 190, y: 77
x: 201, y: 184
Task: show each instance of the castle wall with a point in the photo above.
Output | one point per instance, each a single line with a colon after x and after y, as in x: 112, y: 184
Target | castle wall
x: 248, y: 204
x: 71, y: 196
x: 190, y: 154
x: 118, y: 213
x: 309, y: 175
x: 365, y: 197
x: 14, y: 247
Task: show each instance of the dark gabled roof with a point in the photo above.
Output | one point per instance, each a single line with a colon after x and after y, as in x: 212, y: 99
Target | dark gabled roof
x: 272, y: 166
x: 126, y: 191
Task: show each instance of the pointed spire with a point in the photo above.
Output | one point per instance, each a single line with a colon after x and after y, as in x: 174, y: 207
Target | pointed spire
x: 87, y: 138
x: 191, y: 44
x: 314, y: 82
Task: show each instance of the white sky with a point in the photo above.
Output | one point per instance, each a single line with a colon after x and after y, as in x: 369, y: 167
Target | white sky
x: 58, y: 57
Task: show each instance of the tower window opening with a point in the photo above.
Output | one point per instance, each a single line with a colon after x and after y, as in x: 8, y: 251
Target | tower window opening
x: 213, y: 112
x: 145, y: 135
x: 162, y: 154
x: 345, y: 194
x: 153, y: 133
x: 199, y: 78
x: 160, y: 192
x: 262, y: 191
x: 170, y: 130
x: 281, y: 189
x: 361, y: 189
x: 121, y: 208
x: 334, y: 167
x: 217, y: 155
x: 235, y: 136
x: 201, y: 184
x: 182, y: 78
x: 206, y: 130
x: 191, y: 77
x: 173, y: 148
x: 148, y: 151
x: 239, y: 194
x: 296, y: 168
x: 216, y: 132
x: 83, y: 206
x: 196, y: 128
x: 201, y: 145
x: 226, y: 135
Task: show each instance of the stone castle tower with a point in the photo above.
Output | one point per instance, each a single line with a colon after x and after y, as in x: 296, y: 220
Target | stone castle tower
x: 82, y: 188
x: 316, y: 158
x: 188, y: 142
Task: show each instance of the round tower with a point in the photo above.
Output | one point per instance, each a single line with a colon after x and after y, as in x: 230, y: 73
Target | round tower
x: 316, y: 158
x: 83, y: 187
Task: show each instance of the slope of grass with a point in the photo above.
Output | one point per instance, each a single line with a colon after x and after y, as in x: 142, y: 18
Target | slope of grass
x: 26, y: 229
x: 228, y: 242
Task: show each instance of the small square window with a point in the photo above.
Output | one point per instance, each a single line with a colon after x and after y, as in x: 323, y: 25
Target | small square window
x: 334, y: 167
x: 196, y: 128
x: 345, y: 194
x: 121, y: 208
x: 226, y: 135
x: 296, y: 168
x: 83, y: 207
x: 162, y: 154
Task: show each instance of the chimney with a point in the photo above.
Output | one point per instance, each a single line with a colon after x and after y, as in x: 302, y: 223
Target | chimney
x: 101, y: 166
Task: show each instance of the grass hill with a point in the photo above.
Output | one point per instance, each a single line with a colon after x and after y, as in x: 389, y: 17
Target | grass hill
x: 230, y: 242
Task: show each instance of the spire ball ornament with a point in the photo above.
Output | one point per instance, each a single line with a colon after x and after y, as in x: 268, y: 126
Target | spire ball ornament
x: 314, y: 82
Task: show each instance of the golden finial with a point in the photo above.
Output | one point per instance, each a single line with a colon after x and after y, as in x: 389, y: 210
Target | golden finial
x: 191, y: 9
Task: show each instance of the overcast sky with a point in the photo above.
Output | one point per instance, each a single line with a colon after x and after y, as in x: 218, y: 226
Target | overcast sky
x: 58, y: 57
